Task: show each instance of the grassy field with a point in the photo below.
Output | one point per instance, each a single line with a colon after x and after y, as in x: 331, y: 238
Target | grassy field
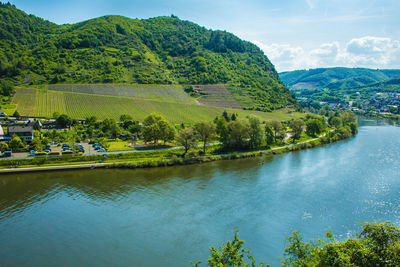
x: 119, y: 145
x: 43, y: 103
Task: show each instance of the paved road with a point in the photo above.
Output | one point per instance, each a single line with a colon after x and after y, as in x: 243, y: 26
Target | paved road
x: 105, y: 164
x: 168, y: 148
x: 115, y: 152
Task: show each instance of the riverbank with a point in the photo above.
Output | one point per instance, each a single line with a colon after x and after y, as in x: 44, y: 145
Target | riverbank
x: 167, y: 159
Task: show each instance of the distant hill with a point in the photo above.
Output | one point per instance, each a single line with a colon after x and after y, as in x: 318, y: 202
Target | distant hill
x: 336, y: 78
x: 392, y: 84
x: 116, y: 49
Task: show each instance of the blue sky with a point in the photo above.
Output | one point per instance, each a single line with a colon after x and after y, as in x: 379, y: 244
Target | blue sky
x: 294, y: 34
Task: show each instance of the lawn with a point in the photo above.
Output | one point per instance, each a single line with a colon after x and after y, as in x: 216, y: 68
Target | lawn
x: 119, y: 145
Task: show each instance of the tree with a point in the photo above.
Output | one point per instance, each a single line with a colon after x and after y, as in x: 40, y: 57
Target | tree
x: 354, y: 127
x: 297, y: 252
x: 36, y: 144
x: 6, y: 88
x: 3, y: 147
x: 186, y: 138
x: 167, y: 131
x: 314, y: 127
x: 255, y: 132
x: 335, y: 122
x: 63, y: 121
x: 111, y: 128
x: 277, y: 127
x: 226, y: 116
x: 269, y: 135
x: 15, y: 142
x: 206, y: 131
x: 231, y: 254
x: 155, y: 128
x: 56, y: 115
x: 16, y: 114
x: 239, y: 131
x: 90, y: 120
x: 377, y: 245
x: 115, y: 131
x: 223, y: 131
x: 297, y: 128
x: 125, y: 117
x: 234, y: 116
x: 135, y: 128
x: 348, y: 117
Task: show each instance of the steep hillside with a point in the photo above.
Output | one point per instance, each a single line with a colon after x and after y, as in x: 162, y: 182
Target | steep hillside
x: 335, y: 78
x: 115, y: 49
x: 43, y: 103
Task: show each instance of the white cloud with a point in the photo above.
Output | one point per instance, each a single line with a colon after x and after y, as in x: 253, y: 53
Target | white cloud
x: 371, y: 50
x: 368, y: 51
x: 288, y: 56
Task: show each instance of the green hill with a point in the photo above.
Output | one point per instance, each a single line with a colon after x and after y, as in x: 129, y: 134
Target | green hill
x: 335, y: 78
x: 116, y: 49
x: 392, y: 84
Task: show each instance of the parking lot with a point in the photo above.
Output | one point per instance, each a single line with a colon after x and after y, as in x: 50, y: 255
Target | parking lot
x: 88, y: 148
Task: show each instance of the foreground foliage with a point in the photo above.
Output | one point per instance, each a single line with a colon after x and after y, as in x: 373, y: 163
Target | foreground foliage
x: 378, y: 244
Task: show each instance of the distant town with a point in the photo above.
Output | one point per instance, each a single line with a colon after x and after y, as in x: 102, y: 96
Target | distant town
x: 372, y: 102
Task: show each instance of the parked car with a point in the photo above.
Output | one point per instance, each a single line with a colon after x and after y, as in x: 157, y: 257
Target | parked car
x: 3, y: 114
x: 54, y: 153
x: 32, y: 152
x: 7, y: 153
x: 101, y: 149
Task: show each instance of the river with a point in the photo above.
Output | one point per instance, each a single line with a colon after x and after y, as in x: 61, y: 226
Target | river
x: 171, y: 216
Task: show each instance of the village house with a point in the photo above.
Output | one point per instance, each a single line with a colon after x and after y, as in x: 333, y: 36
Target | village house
x: 24, y: 132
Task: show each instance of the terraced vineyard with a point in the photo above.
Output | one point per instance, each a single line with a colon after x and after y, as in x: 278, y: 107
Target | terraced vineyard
x: 155, y: 92
x: 216, y: 95
x: 25, y: 100
x: 43, y: 103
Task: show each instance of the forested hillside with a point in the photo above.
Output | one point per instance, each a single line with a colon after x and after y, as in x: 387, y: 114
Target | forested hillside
x: 335, y: 78
x: 389, y: 85
x: 116, y: 49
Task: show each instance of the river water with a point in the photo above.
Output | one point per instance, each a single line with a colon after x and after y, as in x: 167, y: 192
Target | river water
x: 171, y: 216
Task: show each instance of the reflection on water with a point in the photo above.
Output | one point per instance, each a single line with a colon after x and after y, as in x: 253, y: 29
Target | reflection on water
x: 170, y: 216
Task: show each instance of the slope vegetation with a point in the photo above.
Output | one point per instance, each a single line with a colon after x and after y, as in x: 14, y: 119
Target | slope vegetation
x: 116, y: 49
x: 43, y: 103
x: 216, y: 95
x: 389, y: 85
x: 148, y: 91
